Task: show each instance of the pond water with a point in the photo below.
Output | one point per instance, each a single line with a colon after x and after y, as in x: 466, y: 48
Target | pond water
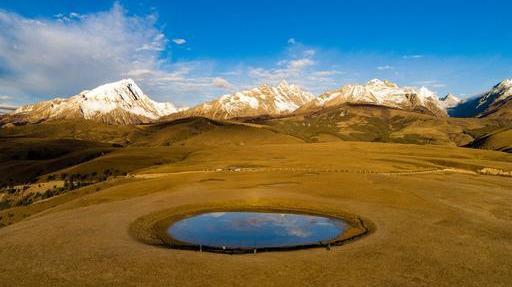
x: 255, y: 229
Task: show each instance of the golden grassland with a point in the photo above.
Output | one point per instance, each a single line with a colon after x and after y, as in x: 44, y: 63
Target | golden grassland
x: 440, y: 215
x: 437, y: 221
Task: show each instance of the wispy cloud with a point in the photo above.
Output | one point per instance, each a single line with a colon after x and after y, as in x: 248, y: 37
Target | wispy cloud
x: 434, y: 84
x: 292, y: 41
x: 222, y: 83
x: 297, y: 66
x: 179, y: 41
x: 417, y: 56
x: 385, y: 67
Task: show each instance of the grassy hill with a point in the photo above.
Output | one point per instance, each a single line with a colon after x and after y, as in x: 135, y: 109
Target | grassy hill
x: 22, y: 160
x: 497, y: 140
x: 369, y: 123
x: 202, y: 132
x: 73, y: 129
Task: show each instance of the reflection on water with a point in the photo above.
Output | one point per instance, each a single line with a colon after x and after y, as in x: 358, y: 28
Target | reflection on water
x: 255, y: 229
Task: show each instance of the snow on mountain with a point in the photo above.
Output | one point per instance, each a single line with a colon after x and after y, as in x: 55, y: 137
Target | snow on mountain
x: 264, y: 100
x: 382, y: 93
x: 449, y: 101
x: 121, y: 102
x: 490, y: 103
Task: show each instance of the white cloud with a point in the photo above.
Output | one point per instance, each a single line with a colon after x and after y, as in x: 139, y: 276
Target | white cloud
x: 292, y: 41
x: 309, y: 53
x: 179, y: 41
x: 300, y: 64
x: 69, y: 17
x: 434, y: 84
x: 407, y: 57
x: 221, y: 83
x: 41, y: 58
x: 386, y: 67
x: 326, y: 73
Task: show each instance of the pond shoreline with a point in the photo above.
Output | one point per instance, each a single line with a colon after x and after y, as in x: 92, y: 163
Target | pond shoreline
x: 152, y: 229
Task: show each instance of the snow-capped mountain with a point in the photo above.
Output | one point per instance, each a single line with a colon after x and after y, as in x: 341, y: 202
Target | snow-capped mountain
x: 264, y: 100
x: 495, y: 102
x: 449, y: 101
x: 121, y: 102
x: 381, y: 93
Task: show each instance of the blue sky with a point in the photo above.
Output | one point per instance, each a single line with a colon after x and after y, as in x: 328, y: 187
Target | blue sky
x: 191, y: 51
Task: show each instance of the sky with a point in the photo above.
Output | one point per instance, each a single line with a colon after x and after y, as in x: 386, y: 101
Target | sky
x: 187, y: 52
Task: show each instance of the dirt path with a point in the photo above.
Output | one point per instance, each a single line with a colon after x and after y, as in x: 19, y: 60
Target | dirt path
x: 408, y: 172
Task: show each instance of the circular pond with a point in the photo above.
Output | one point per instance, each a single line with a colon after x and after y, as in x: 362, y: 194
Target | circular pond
x: 239, y: 230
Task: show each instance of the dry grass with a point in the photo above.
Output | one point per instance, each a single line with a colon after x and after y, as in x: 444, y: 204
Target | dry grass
x: 432, y: 229
x: 439, y: 220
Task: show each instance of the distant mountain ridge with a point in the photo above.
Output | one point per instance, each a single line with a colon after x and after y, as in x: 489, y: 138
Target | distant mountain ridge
x: 493, y: 103
x: 121, y: 102
x: 380, y: 93
x: 263, y: 100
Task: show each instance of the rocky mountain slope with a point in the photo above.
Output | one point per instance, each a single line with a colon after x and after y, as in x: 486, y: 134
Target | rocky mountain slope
x: 380, y: 93
x: 497, y: 102
x: 264, y: 100
x: 121, y: 102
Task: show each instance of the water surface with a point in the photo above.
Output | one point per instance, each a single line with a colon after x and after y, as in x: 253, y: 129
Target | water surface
x: 255, y: 229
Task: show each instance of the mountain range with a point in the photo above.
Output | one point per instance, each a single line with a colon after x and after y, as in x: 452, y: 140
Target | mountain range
x: 380, y: 93
x: 264, y: 100
x: 123, y: 102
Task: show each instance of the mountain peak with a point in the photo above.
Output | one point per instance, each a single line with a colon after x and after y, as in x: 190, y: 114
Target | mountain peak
x: 381, y: 93
x: 121, y: 102
x: 375, y: 82
x: 494, y: 102
x: 283, y: 84
x: 263, y: 100
x: 381, y: 83
x: 449, y: 101
x: 505, y: 84
x: 450, y: 96
x: 114, y: 90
